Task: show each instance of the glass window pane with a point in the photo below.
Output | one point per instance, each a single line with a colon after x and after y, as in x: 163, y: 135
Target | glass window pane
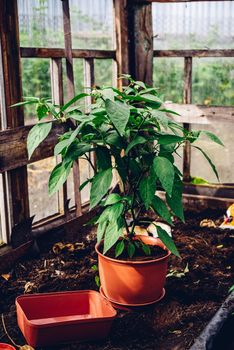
x: 103, y: 72
x: 70, y: 190
x: 41, y: 204
x: 36, y: 82
x: 194, y: 25
x: 222, y: 157
x: 85, y: 173
x: 213, y: 81
x: 92, y: 24
x: 41, y: 23
x: 168, y: 76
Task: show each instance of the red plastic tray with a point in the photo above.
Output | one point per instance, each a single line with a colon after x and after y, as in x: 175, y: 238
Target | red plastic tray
x: 55, y: 318
x: 4, y: 346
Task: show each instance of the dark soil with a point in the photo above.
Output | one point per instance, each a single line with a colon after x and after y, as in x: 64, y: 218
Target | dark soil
x: 191, y: 298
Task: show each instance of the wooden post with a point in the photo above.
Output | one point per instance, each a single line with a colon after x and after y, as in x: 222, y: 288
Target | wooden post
x: 56, y: 76
x: 71, y: 92
x: 187, y: 100
x: 14, y: 117
x: 141, y: 41
x: 89, y: 83
x: 122, y: 38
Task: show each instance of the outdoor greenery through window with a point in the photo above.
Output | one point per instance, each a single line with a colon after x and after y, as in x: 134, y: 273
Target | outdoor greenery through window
x: 204, y: 26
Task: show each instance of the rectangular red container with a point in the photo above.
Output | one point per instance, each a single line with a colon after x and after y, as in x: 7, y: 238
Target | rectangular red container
x: 55, y: 318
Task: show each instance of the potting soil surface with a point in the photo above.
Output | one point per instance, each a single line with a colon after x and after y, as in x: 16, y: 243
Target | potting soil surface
x: 196, y: 286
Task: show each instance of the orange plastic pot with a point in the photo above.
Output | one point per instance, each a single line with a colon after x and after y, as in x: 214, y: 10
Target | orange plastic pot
x: 4, y: 346
x: 55, y: 318
x: 133, y: 283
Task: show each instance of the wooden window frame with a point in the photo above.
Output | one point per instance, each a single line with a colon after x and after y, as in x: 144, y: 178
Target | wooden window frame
x: 134, y: 54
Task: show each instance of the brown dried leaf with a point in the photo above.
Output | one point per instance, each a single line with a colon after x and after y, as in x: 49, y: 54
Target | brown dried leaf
x: 29, y: 286
x: 26, y: 347
x: 207, y: 223
x: 6, y: 276
x: 58, y: 247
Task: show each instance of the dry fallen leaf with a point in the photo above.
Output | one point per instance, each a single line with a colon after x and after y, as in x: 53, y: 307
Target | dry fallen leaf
x: 26, y: 347
x: 207, y: 223
x: 29, y: 286
x: 6, y: 276
x: 58, y: 247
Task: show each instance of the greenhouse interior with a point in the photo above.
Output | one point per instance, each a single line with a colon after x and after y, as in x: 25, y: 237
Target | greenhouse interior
x: 116, y: 174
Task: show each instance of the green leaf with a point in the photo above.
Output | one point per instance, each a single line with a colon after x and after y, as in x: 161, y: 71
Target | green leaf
x: 36, y: 135
x: 209, y: 161
x: 146, y: 249
x: 119, y: 248
x: 100, y: 185
x: 167, y: 240
x: 114, y: 139
x: 23, y: 103
x: 175, y: 200
x: 160, y: 117
x: 147, y: 190
x: 164, y: 170
x: 115, y: 211
x: 103, y: 158
x: 108, y: 93
x: 160, y: 207
x: 101, y: 230
x: 85, y: 183
x: 73, y: 100
x: 169, y: 111
x: 104, y: 215
x: 76, y: 150
x: 118, y: 113
x: 137, y: 141
x: 113, y: 198
x: 212, y: 137
x: 60, y: 147
x: 97, y: 281
x: 169, y: 139
x: 113, y: 232
x: 198, y: 181
x: 42, y: 110
x: 58, y: 176
x: 131, y: 249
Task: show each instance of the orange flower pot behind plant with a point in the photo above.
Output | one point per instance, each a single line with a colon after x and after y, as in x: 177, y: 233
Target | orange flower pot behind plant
x: 133, y: 283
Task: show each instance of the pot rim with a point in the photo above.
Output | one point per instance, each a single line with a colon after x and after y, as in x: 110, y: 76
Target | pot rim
x: 132, y: 262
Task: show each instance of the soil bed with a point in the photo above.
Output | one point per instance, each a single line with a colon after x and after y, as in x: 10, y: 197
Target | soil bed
x: 191, y: 298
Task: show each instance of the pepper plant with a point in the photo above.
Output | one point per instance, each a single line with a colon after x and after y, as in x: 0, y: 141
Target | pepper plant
x: 132, y: 134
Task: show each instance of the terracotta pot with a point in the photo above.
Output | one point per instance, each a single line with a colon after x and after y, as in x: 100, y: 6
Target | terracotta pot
x: 4, y: 346
x: 53, y: 318
x: 133, y: 283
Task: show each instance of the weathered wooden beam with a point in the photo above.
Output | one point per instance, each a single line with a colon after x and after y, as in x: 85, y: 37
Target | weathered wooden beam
x: 187, y: 99
x: 141, y: 41
x: 210, y: 190
x: 196, y: 114
x: 43, y: 52
x: 122, y: 38
x: 71, y: 93
x: 194, y: 53
x: 13, y: 147
x: 14, y: 117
